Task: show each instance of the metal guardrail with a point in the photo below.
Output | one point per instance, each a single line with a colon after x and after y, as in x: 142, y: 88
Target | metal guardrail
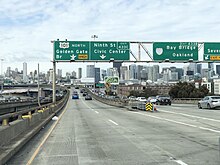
x: 4, y: 119
x: 186, y: 100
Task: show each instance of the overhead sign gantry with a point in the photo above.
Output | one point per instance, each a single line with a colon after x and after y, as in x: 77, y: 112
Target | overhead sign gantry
x: 85, y: 50
x: 107, y: 51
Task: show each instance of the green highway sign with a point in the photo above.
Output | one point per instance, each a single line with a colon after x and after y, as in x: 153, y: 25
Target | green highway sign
x: 175, y: 50
x: 111, y: 79
x: 99, y: 85
x: 212, y: 51
x: 85, y: 50
x: 108, y: 50
x: 71, y: 50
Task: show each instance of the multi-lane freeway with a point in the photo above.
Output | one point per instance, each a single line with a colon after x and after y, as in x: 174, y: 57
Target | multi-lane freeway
x: 90, y: 132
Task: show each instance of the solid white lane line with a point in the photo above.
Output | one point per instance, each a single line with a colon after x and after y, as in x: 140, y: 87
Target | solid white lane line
x: 209, y: 129
x: 113, y: 122
x: 177, y: 122
x: 198, y: 117
x: 180, y: 162
x: 97, y: 112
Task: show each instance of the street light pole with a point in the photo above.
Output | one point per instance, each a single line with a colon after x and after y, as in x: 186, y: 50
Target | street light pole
x: 2, y: 66
x: 38, y: 84
x: 94, y: 37
x: 2, y: 82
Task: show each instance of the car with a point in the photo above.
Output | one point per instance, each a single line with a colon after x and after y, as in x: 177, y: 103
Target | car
x: 82, y: 90
x: 88, y: 97
x: 75, y: 92
x: 132, y: 98
x: 85, y: 93
x: 163, y: 100
x: 141, y: 99
x: 75, y: 96
x: 209, y: 102
x: 152, y: 99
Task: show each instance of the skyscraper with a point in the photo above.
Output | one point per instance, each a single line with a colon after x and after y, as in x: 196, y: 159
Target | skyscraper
x: 103, y: 74
x: 192, y: 67
x: 211, y: 69
x: 59, y: 73
x: 155, y: 72
x: 117, y: 65
x: 25, y: 78
x: 73, y: 74
x: 150, y: 73
x: 79, y: 73
x: 199, y: 68
x: 8, y: 72
x: 90, y: 71
x: 112, y: 72
x: 139, y: 69
x: 97, y: 75
x: 123, y: 71
x: 133, y: 71
x: 218, y: 69
x: 143, y: 74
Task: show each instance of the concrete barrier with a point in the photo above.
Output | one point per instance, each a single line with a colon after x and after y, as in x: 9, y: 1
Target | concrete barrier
x: 14, y: 135
x: 186, y: 100
x: 117, y: 103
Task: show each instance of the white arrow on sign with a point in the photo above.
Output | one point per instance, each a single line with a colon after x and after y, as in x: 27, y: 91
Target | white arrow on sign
x: 207, y: 57
x: 73, y: 57
x: 102, y: 56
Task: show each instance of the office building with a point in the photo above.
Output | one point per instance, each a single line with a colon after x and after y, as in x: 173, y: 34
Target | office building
x: 25, y: 78
x: 199, y: 68
x: 90, y: 71
x: 117, y: 65
x: 59, y: 74
x: 103, y: 74
x: 155, y: 74
x: 143, y: 74
x: 112, y: 72
x: 211, y: 69
x: 139, y: 69
x: 123, y: 72
x: 8, y: 72
x: 133, y: 71
x: 180, y: 72
x: 73, y: 74
x: 79, y: 73
x: 97, y: 75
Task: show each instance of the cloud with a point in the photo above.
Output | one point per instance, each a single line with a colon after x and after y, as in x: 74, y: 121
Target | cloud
x: 27, y: 27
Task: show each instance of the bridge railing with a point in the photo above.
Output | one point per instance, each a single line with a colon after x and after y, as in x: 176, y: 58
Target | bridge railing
x: 27, y: 113
x: 21, y: 126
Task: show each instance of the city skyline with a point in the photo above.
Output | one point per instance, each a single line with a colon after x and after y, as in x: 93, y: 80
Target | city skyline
x: 145, y: 73
x: 27, y: 29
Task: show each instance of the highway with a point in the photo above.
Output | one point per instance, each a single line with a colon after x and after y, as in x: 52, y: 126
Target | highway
x: 90, y: 132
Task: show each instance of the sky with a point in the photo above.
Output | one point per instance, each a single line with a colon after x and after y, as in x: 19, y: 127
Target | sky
x: 28, y: 27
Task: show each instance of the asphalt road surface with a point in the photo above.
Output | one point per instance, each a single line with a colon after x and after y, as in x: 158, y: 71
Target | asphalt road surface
x: 90, y: 132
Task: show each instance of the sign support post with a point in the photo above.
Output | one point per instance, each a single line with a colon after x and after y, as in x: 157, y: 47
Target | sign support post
x: 54, y: 82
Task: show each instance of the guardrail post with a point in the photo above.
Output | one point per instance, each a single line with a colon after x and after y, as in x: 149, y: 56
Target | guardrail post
x: 5, y: 122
